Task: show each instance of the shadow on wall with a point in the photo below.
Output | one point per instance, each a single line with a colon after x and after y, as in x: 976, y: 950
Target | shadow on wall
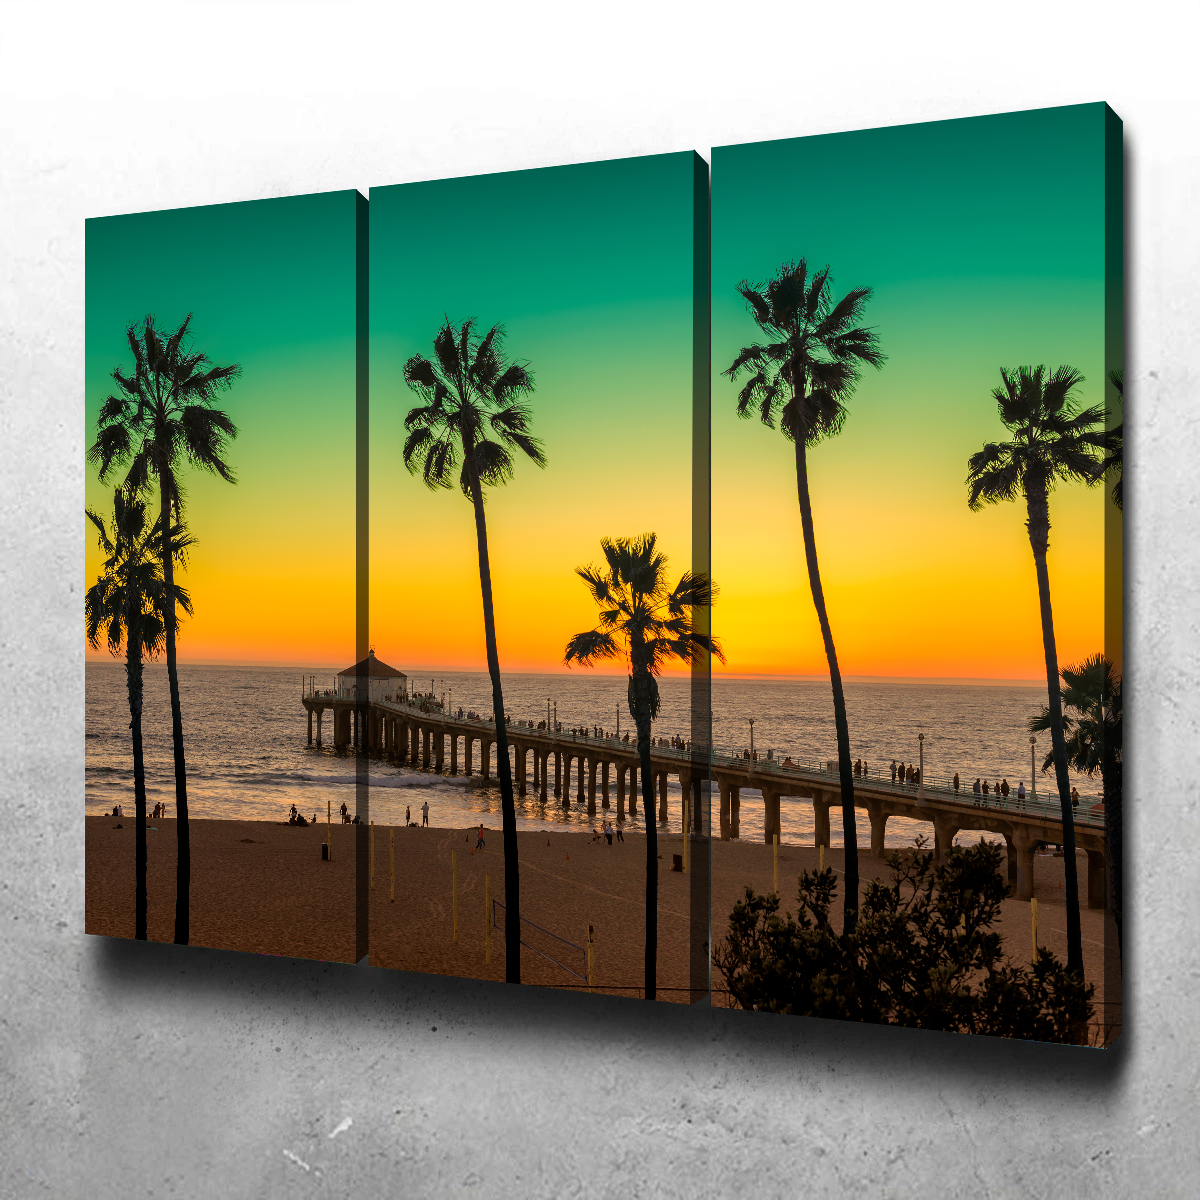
x: 357, y: 1004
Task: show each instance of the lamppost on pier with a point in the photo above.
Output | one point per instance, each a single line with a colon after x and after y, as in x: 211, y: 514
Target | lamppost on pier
x: 751, y: 719
x: 921, y: 768
x: 556, y: 716
x: 618, y: 722
x: 549, y: 727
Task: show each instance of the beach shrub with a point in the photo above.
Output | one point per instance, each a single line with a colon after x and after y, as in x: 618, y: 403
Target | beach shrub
x: 923, y: 954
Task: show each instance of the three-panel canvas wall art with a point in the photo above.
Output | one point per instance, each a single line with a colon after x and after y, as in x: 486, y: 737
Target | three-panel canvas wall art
x: 686, y: 583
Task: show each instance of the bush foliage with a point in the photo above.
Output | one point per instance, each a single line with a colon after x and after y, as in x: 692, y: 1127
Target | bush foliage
x: 924, y: 954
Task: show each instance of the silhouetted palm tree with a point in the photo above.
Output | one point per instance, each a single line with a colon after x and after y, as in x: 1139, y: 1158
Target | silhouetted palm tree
x: 160, y: 420
x: 1092, y: 726
x: 472, y: 421
x: 803, y: 375
x: 1052, y: 441
x: 1114, y: 445
x: 126, y: 607
x: 646, y: 624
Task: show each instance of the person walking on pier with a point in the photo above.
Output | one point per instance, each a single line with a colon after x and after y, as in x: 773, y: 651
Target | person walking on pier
x: 858, y: 766
x: 1003, y: 789
x: 956, y: 783
x: 975, y: 790
x: 893, y: 771
x: 1021, y: 793
x: 425, y: 814
x: 985, y: 793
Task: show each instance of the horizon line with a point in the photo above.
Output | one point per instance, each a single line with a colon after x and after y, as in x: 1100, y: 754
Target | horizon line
x: 418, y: 671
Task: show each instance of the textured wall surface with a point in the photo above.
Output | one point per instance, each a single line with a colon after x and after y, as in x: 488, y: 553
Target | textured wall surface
x: 142, y: 1070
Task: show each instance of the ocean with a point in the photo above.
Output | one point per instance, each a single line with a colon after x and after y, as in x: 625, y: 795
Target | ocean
x: 246, y: 734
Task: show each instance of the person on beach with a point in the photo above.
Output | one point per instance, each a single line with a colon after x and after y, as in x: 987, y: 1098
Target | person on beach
x: 407, y: 815
x: 479, y: 842
x: 975, y: 790
x: 607, y: 831
x: 344, y: 810
x: 425, y: 814
x: 956, y: 783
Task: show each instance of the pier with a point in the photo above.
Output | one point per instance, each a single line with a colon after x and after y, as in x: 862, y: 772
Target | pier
x: 604, y: 770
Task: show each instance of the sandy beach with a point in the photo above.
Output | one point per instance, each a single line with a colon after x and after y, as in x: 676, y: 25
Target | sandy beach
x: 256, y: 885
x: 262, y: 887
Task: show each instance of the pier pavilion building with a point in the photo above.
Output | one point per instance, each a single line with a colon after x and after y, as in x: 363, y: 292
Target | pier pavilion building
x: 374, y: 675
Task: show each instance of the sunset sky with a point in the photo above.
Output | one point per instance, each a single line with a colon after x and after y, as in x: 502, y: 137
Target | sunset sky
x: 270, y: 285
x: 983, y: 240
x: 589, y: 268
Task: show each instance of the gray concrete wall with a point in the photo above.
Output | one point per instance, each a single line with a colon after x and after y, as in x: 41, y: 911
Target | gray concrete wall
x: 139, y: 1071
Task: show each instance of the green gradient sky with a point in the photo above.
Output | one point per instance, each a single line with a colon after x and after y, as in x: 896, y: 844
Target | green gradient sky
x: 983, y: 240
x: 589, y: 268
x: 270, y: 285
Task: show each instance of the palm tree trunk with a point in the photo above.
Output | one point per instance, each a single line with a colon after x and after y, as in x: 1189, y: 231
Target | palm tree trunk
x: 845, y: 767
x: 183, y: 872
x: 133, y: 679
x: 640, y: 687
x: 1038, y: 525
x: 512, y: 879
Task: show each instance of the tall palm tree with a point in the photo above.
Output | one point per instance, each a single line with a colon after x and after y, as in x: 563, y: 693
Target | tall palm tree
x: 1114, y: 446
x: 126, y: 608
x: 1053, y: 441
x: 1093, y: 728
x: 802, y: 375
x: 473, y: 420
x: 159, y: 420
x: 647, y: 625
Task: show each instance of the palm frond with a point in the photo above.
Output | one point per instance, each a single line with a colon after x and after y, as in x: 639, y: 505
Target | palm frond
x: 590, y: 647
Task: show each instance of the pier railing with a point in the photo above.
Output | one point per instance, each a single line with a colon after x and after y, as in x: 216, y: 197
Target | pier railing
x: 1043, y: 803
x: 775, y: 770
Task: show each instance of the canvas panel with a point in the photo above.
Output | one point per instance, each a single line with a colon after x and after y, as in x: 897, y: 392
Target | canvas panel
x: 982, y: 244
x: 591, y: 277
x: 271, y: 287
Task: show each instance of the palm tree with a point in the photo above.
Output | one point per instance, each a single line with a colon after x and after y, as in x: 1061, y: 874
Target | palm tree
x: 803, y: 375
x: 1092, y: 726
x: 126, y: 606
x: 1053, y: 440
x: 160, y: 419
x: 1114, y: 446
x: 473, y: 420
x: 644, y: 623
